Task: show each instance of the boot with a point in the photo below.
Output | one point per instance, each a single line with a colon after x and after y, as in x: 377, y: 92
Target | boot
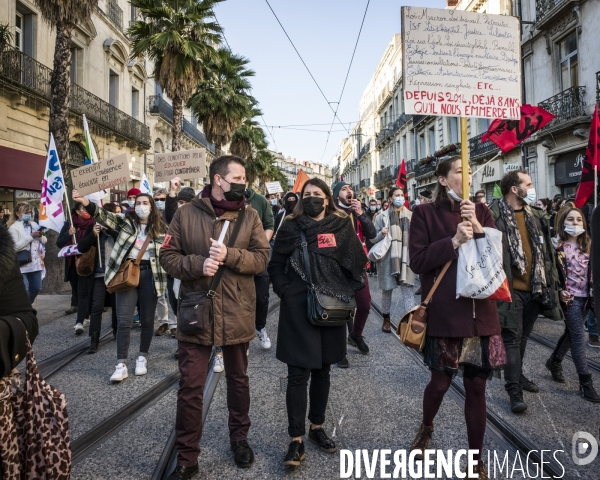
x: 586, y: 387
x: 517, y: 404
x: 421, y: 441
x: 95, y: 340
x: 386, y: 323
x: 555, y: 367
x: 479, y: 471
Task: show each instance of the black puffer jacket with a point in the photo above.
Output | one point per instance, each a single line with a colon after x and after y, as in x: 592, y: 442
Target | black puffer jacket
x: 14, y: 306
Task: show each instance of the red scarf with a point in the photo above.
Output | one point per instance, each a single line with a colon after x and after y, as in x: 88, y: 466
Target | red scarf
x: 221, y: 206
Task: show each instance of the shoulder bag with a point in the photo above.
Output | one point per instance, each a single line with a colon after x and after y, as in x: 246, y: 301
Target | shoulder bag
x: 195, y: 311
x: 379, y: 250
x: 85, y: 263
x: 128, y: 275
x: 325, y: 310
x: 24, y: 256
x: 412, y: 327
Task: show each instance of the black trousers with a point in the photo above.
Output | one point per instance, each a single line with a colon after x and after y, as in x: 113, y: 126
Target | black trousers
x: 261, y: 283
x: 73, y: 280
x: 85, y: 285
x: 171, y: 294
x: 296, y: 397
x: 97, y: 296
x: 515, y: 339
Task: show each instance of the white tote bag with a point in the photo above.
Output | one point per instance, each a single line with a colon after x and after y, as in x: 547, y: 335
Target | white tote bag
x: 379, y: 250
x: 480, y: 272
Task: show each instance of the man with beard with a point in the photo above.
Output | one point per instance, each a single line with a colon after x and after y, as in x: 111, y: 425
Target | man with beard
x: 344, y: 196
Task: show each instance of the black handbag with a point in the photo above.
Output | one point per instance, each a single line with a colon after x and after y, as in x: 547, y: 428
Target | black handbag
x: 195, y: 310
x: 325, y: 310
x: 24, y: 257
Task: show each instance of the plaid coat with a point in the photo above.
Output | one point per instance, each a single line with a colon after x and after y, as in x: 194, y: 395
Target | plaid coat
x: 124, y: 243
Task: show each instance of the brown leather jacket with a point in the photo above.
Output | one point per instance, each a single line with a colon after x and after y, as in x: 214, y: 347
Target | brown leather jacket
x: 183, y: 255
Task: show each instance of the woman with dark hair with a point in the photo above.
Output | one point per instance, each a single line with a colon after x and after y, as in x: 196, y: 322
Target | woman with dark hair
x: 141, y: 229
x: 463, y: 335
x: 575, y: 290
x: 393, y: 268
x: 337, y: 264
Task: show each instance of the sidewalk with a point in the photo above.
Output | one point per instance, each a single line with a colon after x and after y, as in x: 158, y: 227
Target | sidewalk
x: 51, y: 307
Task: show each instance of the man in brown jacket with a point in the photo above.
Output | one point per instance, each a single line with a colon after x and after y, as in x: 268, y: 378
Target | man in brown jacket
x: 191, y: 254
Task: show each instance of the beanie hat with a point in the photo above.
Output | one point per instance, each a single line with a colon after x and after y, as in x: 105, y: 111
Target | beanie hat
x: 336, y: 189
x: 133, y: 191
x: 186, y: 194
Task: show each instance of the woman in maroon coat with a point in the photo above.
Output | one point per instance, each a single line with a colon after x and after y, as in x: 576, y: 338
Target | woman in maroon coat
x: 462, y: 334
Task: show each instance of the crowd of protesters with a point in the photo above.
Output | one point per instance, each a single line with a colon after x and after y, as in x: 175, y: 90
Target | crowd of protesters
x: 221, y: 248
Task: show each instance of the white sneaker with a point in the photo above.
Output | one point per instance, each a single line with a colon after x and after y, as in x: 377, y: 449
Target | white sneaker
x: 265, y: 341
x: 141, y: 366
x: 219, y: 365
x: 86, y: 322
x: 120, y: 373
x: 78, y: 329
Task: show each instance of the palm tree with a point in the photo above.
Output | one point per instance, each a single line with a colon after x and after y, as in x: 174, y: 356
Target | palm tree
x: 6, y: 35
x: 222, y: 100
x: 248, y: 136
x: 63, y: 15
x: 178, y: 36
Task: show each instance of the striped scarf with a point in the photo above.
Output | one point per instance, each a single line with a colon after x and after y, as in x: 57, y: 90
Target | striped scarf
x: 398, y: 231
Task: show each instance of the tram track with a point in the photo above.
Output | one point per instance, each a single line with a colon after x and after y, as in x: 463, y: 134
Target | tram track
x: 502, y: 433
x: 594, y: 365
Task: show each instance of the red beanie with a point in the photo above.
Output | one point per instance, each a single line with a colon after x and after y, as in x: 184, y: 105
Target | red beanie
x: 133, y: 191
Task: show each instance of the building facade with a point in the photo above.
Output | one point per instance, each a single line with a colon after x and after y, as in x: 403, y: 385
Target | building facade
x: 290, y: 167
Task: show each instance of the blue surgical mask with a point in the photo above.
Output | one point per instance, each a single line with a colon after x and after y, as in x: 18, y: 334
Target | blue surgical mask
x: 26, y: 217
x: 373, y: 208
x: 398, y: 202
x: 131, y: 203
x: 160, y: 204
x: 273, y: 201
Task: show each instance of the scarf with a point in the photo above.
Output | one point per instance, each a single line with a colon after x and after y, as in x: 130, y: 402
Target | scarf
x: 398, y: 230
x: 336, y: 271
x: 518, y: 258
x: 81, y: 225
x: 221, y: 206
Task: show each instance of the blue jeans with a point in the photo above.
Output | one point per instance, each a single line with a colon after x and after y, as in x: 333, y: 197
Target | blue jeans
x: 574, y: 337
x: 592, y: 324
x: 33, y: 284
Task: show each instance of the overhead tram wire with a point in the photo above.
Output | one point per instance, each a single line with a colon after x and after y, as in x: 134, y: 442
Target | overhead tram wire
x: 306, y: 66
x: 346, y: 79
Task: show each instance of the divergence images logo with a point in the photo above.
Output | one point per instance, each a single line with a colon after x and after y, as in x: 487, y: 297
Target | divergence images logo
x: 582, y: 441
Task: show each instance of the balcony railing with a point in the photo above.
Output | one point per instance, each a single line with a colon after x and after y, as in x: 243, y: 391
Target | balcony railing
x: 365, y: 183
x: 410, y: 166
x: 21, y: 70
x: 425, y: 169
x: 115, y: 13
x: 545, y: 7
x: 479, y: 150
x: 392, y: 128
x: 364, y: 150
x: 567, y: 105
x: 598, y: 88
x: 158, y: 106
x: 386, y: 176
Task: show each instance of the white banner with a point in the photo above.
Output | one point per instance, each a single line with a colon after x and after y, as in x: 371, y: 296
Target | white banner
x: 461, y: 64
x: 273, y: 187
x: 52, y: 215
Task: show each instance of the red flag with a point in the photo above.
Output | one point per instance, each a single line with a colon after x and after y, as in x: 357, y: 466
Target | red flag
x: 401, y: 181
x: 586, y: 187
x: 300, y: 181
x: 507, y: 134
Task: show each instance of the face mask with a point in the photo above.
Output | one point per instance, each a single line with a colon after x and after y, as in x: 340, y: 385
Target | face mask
x: 417, y: 202
x: 378, y: 207
x: 454, y: 195
x: 398, y: 202
x: 179, y: 205
x: 131, y: 203
x: 85, y: 215
x: 290, y: 205
x: 373, y: 208
x: 236, y: 191
x: 274, y: 201
x: 160, y: 204
x: 26, y: 217
x: 142, y: 211
x: 531, y: 197
x: 313, y: 206
x: 574, y: 231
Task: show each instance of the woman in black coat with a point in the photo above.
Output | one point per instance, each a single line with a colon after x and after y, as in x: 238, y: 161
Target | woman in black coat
x: 16, y: 313
x: 338, y: 263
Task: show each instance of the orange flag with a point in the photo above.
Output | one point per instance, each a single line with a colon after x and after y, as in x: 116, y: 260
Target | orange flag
x: 300, y: 181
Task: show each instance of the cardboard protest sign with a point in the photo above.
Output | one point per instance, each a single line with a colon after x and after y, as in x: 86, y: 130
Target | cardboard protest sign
x: 458, y: 63
x: 183, y: 164
x: 101, y: 175
x: 273, y: 187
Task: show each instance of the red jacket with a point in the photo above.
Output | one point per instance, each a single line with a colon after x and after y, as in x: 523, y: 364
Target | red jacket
x: 430, y: 246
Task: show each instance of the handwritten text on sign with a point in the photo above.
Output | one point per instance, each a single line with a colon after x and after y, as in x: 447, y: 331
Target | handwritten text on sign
x: 459, y: 63
x: 183, y: 164
x: 102, y: 175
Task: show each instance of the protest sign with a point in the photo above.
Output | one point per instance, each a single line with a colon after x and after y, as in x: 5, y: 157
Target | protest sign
x: 273, y: 187
x: 183, y: 164
x: 101, y: 175
x: 461, y: 64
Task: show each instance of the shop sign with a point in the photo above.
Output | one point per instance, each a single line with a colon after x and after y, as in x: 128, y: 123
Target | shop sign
x: 567, y: 168
x: 511, y: 167
x: 26, y: 195
x: 492, y: 172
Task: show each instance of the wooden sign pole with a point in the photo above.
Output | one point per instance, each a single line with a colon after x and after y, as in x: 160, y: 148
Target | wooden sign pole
x: 464, y: 149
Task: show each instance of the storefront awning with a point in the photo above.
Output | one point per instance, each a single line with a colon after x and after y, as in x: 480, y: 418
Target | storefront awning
x: 20, y: 169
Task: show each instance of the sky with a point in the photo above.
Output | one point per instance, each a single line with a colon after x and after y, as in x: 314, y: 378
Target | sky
x: 324, y: 32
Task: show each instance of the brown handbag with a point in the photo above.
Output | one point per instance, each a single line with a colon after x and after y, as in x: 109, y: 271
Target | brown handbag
x: 84, y: 264
x: 412, y: 327
x: 128, y: 275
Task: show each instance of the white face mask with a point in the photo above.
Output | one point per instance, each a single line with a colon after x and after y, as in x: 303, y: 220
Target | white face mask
x: 574, y: 230
x: 417, y: 202
x: 373, y: 208
x: 454, y: 195
x: 398, y: 201
x: 131, y: 203
x: 531, y: 197
x: 142, y: 211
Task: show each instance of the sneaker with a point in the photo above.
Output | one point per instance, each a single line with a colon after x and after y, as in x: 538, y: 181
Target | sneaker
x: 343, y: 363
x: 418, y: 291
x: 265, y: 341
x: 78, y: 329
x: 219, y: 366
x: 517, y: 404
x: 120, y: 373
x: 358, y: 341
x: 173, y: 332
x: 141, y: 365
x: 136, y: 318
x: 528, y: 385
x: 86, y: 322
x: 160, y: 331
x: 71, y: 310
x: 295, y: 454
x: 594, y: 341
x: 183, y: 473
x: 320, y: 438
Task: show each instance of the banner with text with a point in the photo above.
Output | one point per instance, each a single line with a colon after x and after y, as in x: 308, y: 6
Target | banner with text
x: 461, y: 64
x: 101, y: 175
x: 273, y: 187
x: 183, y: 164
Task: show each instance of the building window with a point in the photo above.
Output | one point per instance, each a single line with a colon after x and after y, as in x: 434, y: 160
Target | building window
x: 19, y: 25
x: 567, y: 51
x: 76, y: 71
x: 453, y: 127
x: 422, y: 153
x: 76, y: 155
x: 135, y: 102
x: 113, y: 89
x: 404, y: 150
x: 484, y: 124
x: 431, y: 140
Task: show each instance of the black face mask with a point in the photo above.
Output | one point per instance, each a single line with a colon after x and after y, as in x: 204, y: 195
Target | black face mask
x: 236, y: 191
x: 313, y: 206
